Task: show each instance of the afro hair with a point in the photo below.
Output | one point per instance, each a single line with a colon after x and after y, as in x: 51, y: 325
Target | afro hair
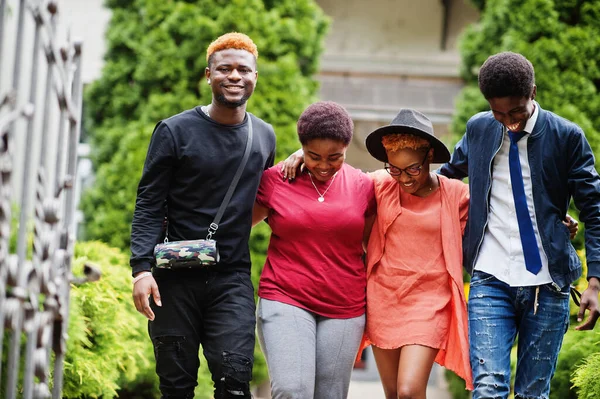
x: 230, y: 40
x: 506, y: 74
x: 325, y: 120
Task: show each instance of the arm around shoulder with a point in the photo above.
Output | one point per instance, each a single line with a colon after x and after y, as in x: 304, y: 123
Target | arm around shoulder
x: 259, y: 213
x: 261, y: 208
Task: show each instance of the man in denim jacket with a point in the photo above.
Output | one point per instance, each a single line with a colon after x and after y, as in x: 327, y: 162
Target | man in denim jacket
x: 523, y: 289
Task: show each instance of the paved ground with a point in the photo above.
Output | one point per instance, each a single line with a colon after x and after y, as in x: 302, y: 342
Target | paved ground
x: 365, y: 385
x: 373, y: 390
x: 365, y: 382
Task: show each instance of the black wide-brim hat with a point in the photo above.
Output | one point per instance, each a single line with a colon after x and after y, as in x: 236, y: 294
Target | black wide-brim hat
x: 408, y: 121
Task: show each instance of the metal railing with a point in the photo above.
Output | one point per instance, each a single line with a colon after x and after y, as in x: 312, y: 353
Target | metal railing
x: 40, y: 110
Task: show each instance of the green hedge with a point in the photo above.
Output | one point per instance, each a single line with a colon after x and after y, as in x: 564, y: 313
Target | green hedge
x: 588, y: 374
x: 109, y: 353
x: 576, y: 346
x: 108, y: 347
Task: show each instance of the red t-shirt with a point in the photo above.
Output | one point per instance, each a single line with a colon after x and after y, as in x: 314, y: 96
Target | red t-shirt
x: 314, y: 260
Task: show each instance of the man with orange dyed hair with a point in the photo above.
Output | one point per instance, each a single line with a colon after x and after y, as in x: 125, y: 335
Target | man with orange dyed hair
x: 191, y: 162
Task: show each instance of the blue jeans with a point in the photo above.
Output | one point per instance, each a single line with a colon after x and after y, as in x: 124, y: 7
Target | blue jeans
x: 208, y: 308
x: 497, y: 314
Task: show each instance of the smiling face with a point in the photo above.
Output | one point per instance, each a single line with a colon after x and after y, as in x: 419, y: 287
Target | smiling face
x: 324, y: 157
x: 232, y: 75
x: 513, y: 112
x: 410, y: 159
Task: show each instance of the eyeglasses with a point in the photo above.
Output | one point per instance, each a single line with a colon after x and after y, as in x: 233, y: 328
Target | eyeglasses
x: 412, y: 171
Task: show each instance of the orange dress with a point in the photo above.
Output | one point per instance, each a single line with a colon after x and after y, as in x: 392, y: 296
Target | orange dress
x: 410, y: 299
x: 414, y: 286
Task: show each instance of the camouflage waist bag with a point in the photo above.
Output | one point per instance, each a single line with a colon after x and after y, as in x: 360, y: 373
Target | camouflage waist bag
x: 186, y: 254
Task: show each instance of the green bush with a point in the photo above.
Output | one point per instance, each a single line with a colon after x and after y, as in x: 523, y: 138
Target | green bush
x: 456, y: 386
x: 576, y: 346
x: 587, y: 374
x: 108, y: 348
x: 109, y: 353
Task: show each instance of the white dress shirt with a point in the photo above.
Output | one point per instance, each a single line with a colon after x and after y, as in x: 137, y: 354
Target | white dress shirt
x: 501, y: 252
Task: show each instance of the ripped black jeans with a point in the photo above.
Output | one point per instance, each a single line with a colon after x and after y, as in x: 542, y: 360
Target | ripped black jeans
x: 215, y: 310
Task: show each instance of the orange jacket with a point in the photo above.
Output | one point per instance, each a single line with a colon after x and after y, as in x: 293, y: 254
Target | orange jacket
x: 454, y: 193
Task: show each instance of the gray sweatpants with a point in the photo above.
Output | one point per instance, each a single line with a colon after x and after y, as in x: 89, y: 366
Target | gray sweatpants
x: 308, y: 356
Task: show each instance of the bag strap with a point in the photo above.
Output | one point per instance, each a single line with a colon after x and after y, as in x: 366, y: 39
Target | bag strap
x: 212, y: 229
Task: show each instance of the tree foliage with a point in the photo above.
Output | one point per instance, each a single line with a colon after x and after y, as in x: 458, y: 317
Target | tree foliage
x: 480, y: 4
x: 587, y: 376
x: 577, y: 345
x: 155, y: 61
x: 562, y: 40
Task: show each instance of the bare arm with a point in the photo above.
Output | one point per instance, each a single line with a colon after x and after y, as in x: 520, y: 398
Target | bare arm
x: 369, y: 220
x: 291, y: 165
x: 259, y: 213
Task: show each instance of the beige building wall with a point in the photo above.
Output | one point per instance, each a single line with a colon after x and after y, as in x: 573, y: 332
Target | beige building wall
x: 384, y: 55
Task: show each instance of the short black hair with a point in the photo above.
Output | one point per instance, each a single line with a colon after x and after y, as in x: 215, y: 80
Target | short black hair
x: 325, y: 120
x: 506, y: 74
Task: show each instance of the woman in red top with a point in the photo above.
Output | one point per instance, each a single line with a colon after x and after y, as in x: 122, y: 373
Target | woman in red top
x: 311, y: 313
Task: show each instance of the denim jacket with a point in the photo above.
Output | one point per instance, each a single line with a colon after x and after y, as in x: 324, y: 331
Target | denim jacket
x: 562, y: 167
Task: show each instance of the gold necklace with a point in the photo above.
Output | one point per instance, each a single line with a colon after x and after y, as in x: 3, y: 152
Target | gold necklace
x: 431, y: 182
x: 321, y: 196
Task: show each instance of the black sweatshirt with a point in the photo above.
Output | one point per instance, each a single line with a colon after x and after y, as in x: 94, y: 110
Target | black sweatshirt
x: 190, y: 164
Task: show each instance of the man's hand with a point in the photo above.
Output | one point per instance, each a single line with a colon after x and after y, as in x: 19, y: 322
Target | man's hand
x: 572, y: 225
x: 142, y: 289
x: 589, y: 300
x: 291, y: 164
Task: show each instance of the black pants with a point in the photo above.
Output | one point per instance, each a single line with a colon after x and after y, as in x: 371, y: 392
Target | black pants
x: 208, y: 308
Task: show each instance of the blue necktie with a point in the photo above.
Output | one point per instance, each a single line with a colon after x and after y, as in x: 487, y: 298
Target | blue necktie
x: 533, y: 263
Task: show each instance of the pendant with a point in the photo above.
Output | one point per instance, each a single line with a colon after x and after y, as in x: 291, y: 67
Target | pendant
x: 321, y: 199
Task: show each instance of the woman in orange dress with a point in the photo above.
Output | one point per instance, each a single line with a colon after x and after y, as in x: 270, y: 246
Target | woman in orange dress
x: 416, y: 309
